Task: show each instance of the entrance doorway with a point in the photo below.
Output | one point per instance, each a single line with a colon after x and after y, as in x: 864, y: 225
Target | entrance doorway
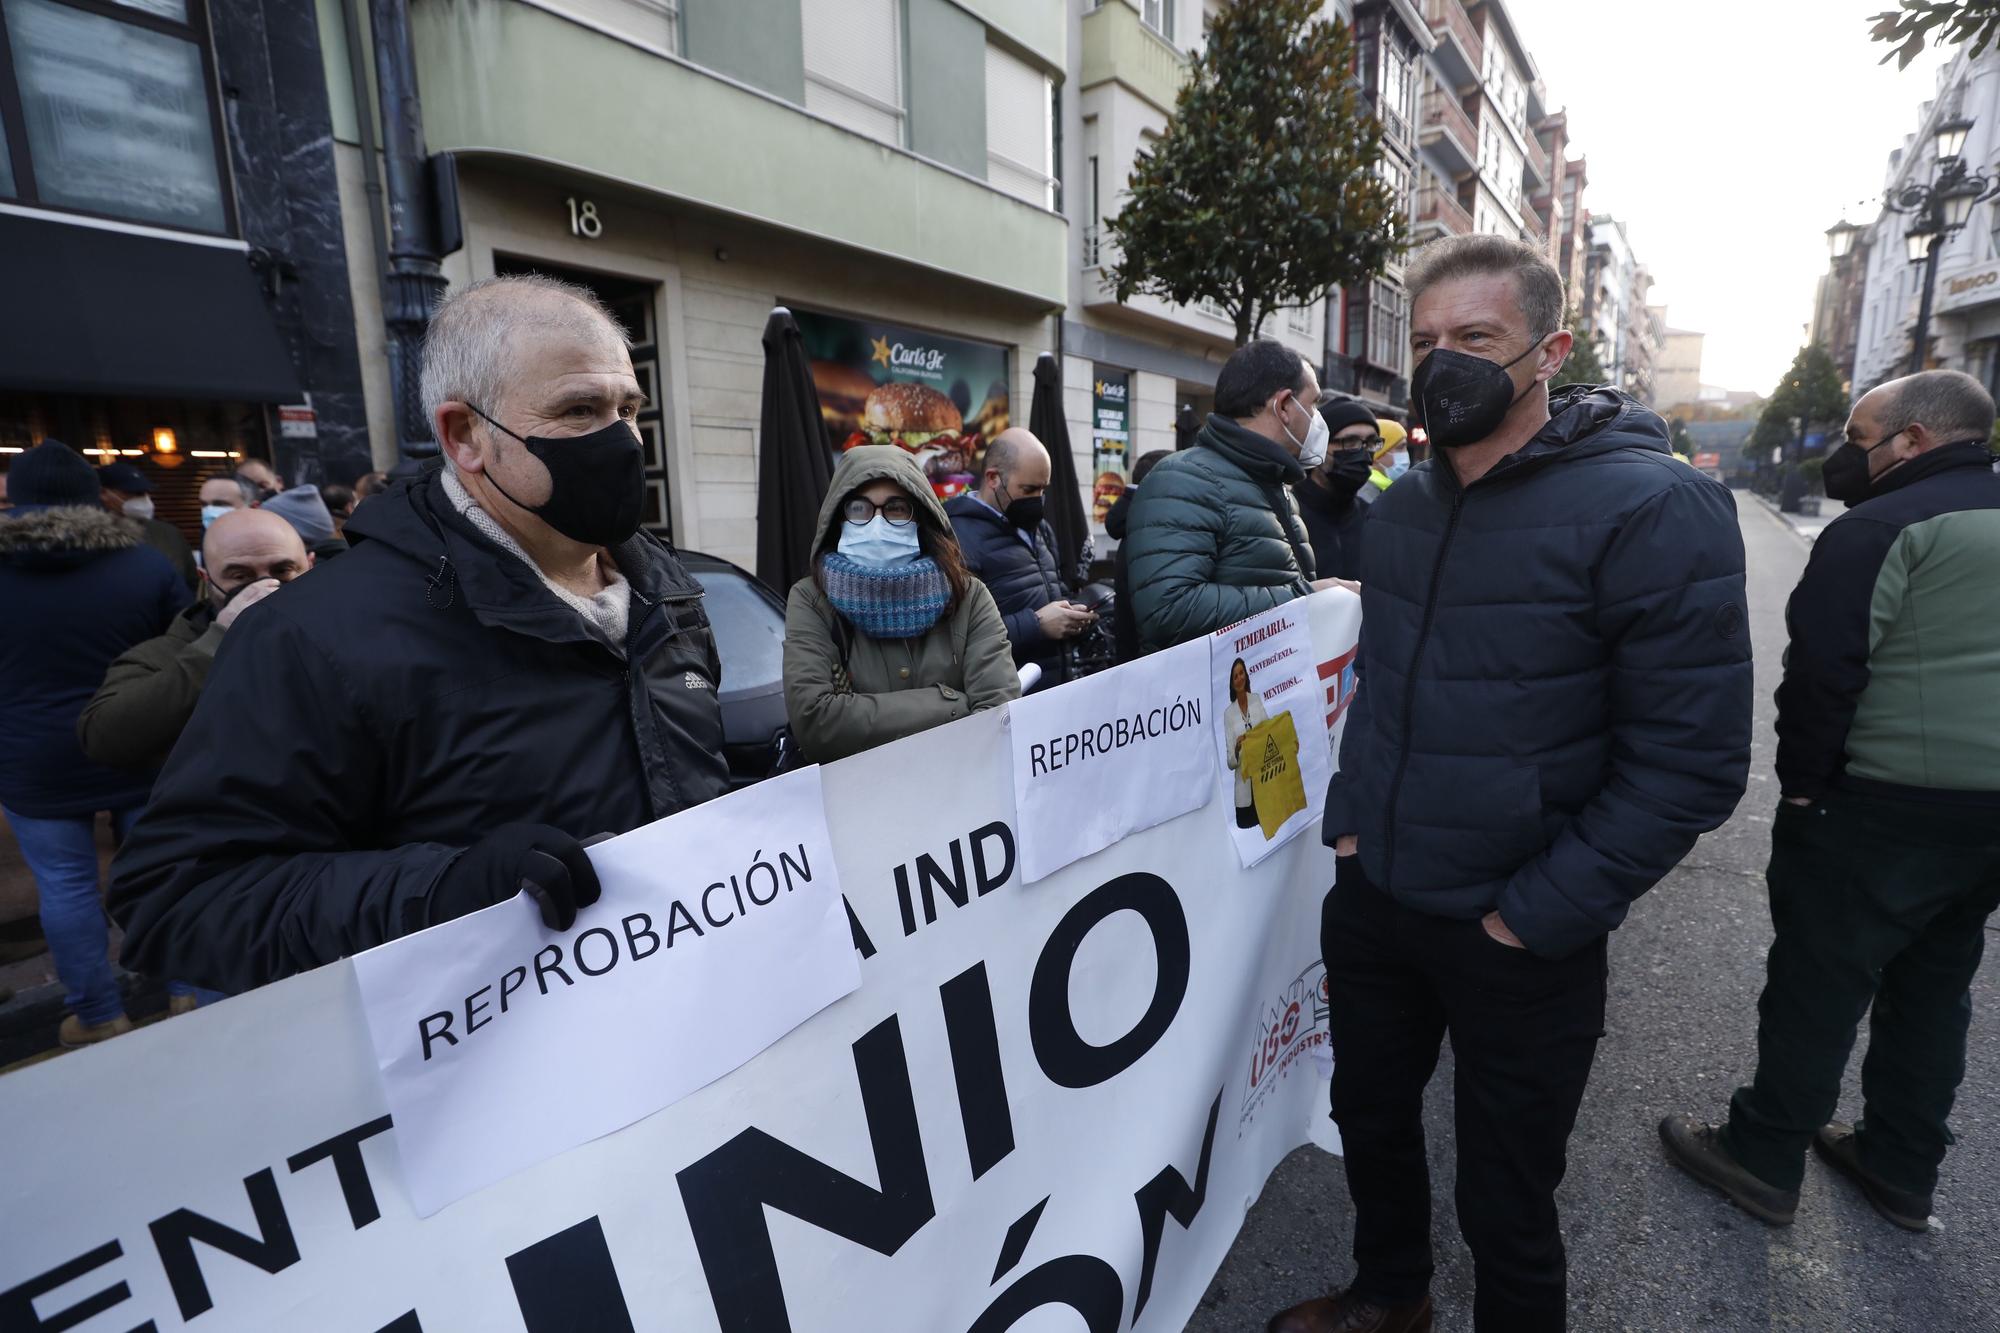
x: 633, y: 304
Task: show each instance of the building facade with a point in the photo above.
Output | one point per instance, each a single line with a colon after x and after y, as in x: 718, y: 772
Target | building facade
x: 169, y: 243
x: 1625, y: 328
x: 1677, y: 373
x: 1964, y: 330
x: 886, y: 169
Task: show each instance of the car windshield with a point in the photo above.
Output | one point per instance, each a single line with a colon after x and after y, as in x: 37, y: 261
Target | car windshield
x: 749, y: 633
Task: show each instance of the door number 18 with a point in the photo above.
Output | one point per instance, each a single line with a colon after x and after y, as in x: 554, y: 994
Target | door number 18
x: 583, y: 219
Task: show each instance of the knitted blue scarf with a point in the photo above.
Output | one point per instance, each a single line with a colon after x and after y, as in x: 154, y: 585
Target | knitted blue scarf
x: 899, y: 601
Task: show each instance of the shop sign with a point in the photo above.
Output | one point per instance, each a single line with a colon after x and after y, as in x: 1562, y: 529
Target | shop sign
x: 942, y: 398
x: 1110, y: 439
x: 297, y: 421
x: 1976, y: 286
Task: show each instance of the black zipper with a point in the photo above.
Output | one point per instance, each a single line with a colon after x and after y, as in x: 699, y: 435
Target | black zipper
x: 1410, y: 692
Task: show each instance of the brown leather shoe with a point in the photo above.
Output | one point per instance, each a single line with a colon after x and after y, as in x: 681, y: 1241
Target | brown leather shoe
x: 1344, y: 1313
x: 74, y: 1032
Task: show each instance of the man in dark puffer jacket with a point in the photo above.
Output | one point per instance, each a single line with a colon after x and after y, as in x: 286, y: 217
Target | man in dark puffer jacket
x: 1215, y: 535
x: 1011, y: 548
x: 1555, y: 703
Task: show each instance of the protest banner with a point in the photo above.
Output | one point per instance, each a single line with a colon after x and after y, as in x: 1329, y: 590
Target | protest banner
x: 1261, y: 668
x: 1056, y: 1097
x: 697, y: 911
x: 1110, y: 755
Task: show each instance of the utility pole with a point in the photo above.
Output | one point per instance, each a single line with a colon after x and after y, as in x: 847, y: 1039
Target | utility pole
x: 415, y: 281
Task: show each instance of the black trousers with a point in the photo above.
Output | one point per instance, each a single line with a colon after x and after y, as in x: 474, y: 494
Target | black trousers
x: 1523, y: 1031
x: 1880, y: 907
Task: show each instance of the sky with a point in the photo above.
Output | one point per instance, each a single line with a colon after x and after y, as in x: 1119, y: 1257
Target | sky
x: 1729, y: 135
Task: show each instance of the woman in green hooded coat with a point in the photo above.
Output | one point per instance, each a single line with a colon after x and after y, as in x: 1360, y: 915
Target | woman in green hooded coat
x: 889, y: 635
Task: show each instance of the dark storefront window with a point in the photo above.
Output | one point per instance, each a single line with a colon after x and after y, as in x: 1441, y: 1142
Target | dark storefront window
x: 107, y: 108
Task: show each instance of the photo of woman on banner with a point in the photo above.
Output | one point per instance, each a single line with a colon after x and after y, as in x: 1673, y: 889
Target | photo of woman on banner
x: 1245, y: 711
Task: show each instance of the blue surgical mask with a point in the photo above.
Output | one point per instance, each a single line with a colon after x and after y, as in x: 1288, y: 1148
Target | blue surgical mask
x: 209, y: 513
x: 879, y: 542
x: 1398, y: 464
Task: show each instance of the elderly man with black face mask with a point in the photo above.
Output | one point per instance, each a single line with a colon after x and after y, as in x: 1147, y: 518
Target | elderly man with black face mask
x: 503, y: 666
x: 1554, y: 704
x: 150, y: 692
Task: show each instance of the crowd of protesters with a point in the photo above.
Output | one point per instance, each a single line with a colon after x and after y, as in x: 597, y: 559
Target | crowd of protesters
x: 302, y: 758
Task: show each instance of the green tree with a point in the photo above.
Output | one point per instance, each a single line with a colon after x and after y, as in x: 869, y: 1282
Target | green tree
x: 1809, y: 394
x: 1263, y: 192
x: 1582, y: 365
x: 1947, y: 23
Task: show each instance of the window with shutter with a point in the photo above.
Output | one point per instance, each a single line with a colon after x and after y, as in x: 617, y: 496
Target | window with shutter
x: 1019, y: 128
x: 854, y: 64
x: 655, y: 23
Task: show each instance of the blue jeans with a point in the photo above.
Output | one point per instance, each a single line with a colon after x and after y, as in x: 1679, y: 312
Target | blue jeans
x: 62, y: 856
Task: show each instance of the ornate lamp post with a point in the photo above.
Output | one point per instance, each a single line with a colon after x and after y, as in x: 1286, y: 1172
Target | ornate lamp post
x: 1937, y: 209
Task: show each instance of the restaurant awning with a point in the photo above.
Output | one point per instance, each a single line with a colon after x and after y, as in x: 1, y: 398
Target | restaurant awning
x: 92, y: 310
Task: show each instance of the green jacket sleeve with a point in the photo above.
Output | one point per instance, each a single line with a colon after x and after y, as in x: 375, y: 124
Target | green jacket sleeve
x: 991, y: 678
x: 1175, y: 542
x: 146, y: 699
x: 832, y: 721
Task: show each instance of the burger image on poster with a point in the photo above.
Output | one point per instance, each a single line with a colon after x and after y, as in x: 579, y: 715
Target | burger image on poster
x: 1104, y: 493
x: 843, y: 393
x: 918, y: 418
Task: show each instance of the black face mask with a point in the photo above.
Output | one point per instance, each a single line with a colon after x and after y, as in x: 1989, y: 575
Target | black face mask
x: 1025, y: 513
x: 596, y: 482
x: 1464, y: 398
x: 1345, y: 472
x: 1846, y: 475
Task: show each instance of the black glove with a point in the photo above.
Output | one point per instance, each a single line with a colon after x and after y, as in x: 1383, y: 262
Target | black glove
x: 545, y: 861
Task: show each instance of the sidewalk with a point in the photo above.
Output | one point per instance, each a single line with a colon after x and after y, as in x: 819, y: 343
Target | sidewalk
x: 1807, y: 526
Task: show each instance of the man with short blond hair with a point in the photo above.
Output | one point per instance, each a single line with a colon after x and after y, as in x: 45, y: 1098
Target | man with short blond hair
x: 1554, y: 704
x: 504, y: 666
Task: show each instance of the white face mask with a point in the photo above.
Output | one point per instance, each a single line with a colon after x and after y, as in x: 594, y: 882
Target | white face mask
x: 1398, y: 464
x: 878, y: 541
x: 139, y: 507
x: 209, y: 513
x: 1313, y: 452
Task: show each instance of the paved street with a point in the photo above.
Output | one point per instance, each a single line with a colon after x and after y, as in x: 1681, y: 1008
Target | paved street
x: 1649, y: 1249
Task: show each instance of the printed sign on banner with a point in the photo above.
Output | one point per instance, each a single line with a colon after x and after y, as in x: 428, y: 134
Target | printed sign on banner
x: 502, y: 1043
x: 1109, y: 755
x: 1263, y: 668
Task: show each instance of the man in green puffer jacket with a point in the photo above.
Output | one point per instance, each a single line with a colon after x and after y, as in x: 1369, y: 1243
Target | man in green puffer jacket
x: 1214, y: 535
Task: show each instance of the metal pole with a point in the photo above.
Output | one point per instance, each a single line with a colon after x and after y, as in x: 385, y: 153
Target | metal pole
x: 414, y: 281
x: 1918, y: 344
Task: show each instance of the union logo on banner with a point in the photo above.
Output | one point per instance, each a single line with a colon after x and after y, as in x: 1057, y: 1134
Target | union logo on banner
x: 1339, y: 677
x: 1293, y: 1022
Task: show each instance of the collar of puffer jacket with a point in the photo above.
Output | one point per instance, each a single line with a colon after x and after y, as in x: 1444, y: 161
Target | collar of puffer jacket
x: 1259, y: 457
x: 1584, y: 421
x: 76, y: 531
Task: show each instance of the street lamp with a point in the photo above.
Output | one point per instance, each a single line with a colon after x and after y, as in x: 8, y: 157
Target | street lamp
x: 1937, y: 210
x: 1840, y: 238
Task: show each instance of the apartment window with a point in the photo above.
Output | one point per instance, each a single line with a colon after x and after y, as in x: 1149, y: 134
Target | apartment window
x: 109, y: 110
x: 854, y: 64
x: 1093, y: 228
x: 1020, y: 128
x: 1388, y: 326
x: 1397, y: 96
x: 1299, y: 319
x: 1159, y: 16
x: 1397, y: 177
x: 654, y: 23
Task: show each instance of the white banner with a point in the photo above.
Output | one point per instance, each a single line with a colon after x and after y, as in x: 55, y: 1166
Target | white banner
x: 1109, y: 755
x: 1055, y: 1098
x: 698, y: 912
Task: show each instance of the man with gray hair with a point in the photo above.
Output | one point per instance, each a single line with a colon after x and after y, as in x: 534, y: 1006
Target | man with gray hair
x: 1885, y: 850
x: 503, y: 666
x: 1554, y: 704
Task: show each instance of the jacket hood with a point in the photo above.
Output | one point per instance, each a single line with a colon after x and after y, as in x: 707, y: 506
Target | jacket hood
x: 64, y: 536
x: 1257, y: 456
x: 877, y: 462
x: 1585, y: 421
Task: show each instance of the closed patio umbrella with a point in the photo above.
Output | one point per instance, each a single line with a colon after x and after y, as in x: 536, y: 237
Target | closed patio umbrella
x: 1065, y: 503
x: 796, y: 465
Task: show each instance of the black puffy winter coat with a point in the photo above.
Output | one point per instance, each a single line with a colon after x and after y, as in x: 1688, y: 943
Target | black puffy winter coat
x: 378, y: 715
x: 1022, y: 579
x: 1555, y: 678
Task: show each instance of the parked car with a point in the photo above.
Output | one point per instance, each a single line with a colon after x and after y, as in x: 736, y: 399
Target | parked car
x: 749, y: 623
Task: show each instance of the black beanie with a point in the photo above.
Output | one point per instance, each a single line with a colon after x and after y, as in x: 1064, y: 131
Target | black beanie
x: 52, y: 473
x: 1340, y: 413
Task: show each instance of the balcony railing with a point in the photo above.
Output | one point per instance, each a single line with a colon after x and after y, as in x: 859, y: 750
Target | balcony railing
x: 1538, y: 159
x: 1448, y: 19
x: 1442, y: 112
x: 1532, y: 230
x: 1437, y: 208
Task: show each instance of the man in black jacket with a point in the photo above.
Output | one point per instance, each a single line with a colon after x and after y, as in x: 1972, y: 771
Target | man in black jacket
x: 1885, y: 850
x: 502, y: 666
x: 1335, y: 496
x: 1011, y: 548
x: 1554, y: 704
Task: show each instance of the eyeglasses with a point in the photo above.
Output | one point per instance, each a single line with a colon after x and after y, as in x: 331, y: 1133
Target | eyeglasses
x: 898, y: 509
x: 1345, y: 443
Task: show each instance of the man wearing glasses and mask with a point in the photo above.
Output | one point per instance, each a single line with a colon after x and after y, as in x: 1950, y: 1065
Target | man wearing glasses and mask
x: 1334, y: 497
x: 503, y: 666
